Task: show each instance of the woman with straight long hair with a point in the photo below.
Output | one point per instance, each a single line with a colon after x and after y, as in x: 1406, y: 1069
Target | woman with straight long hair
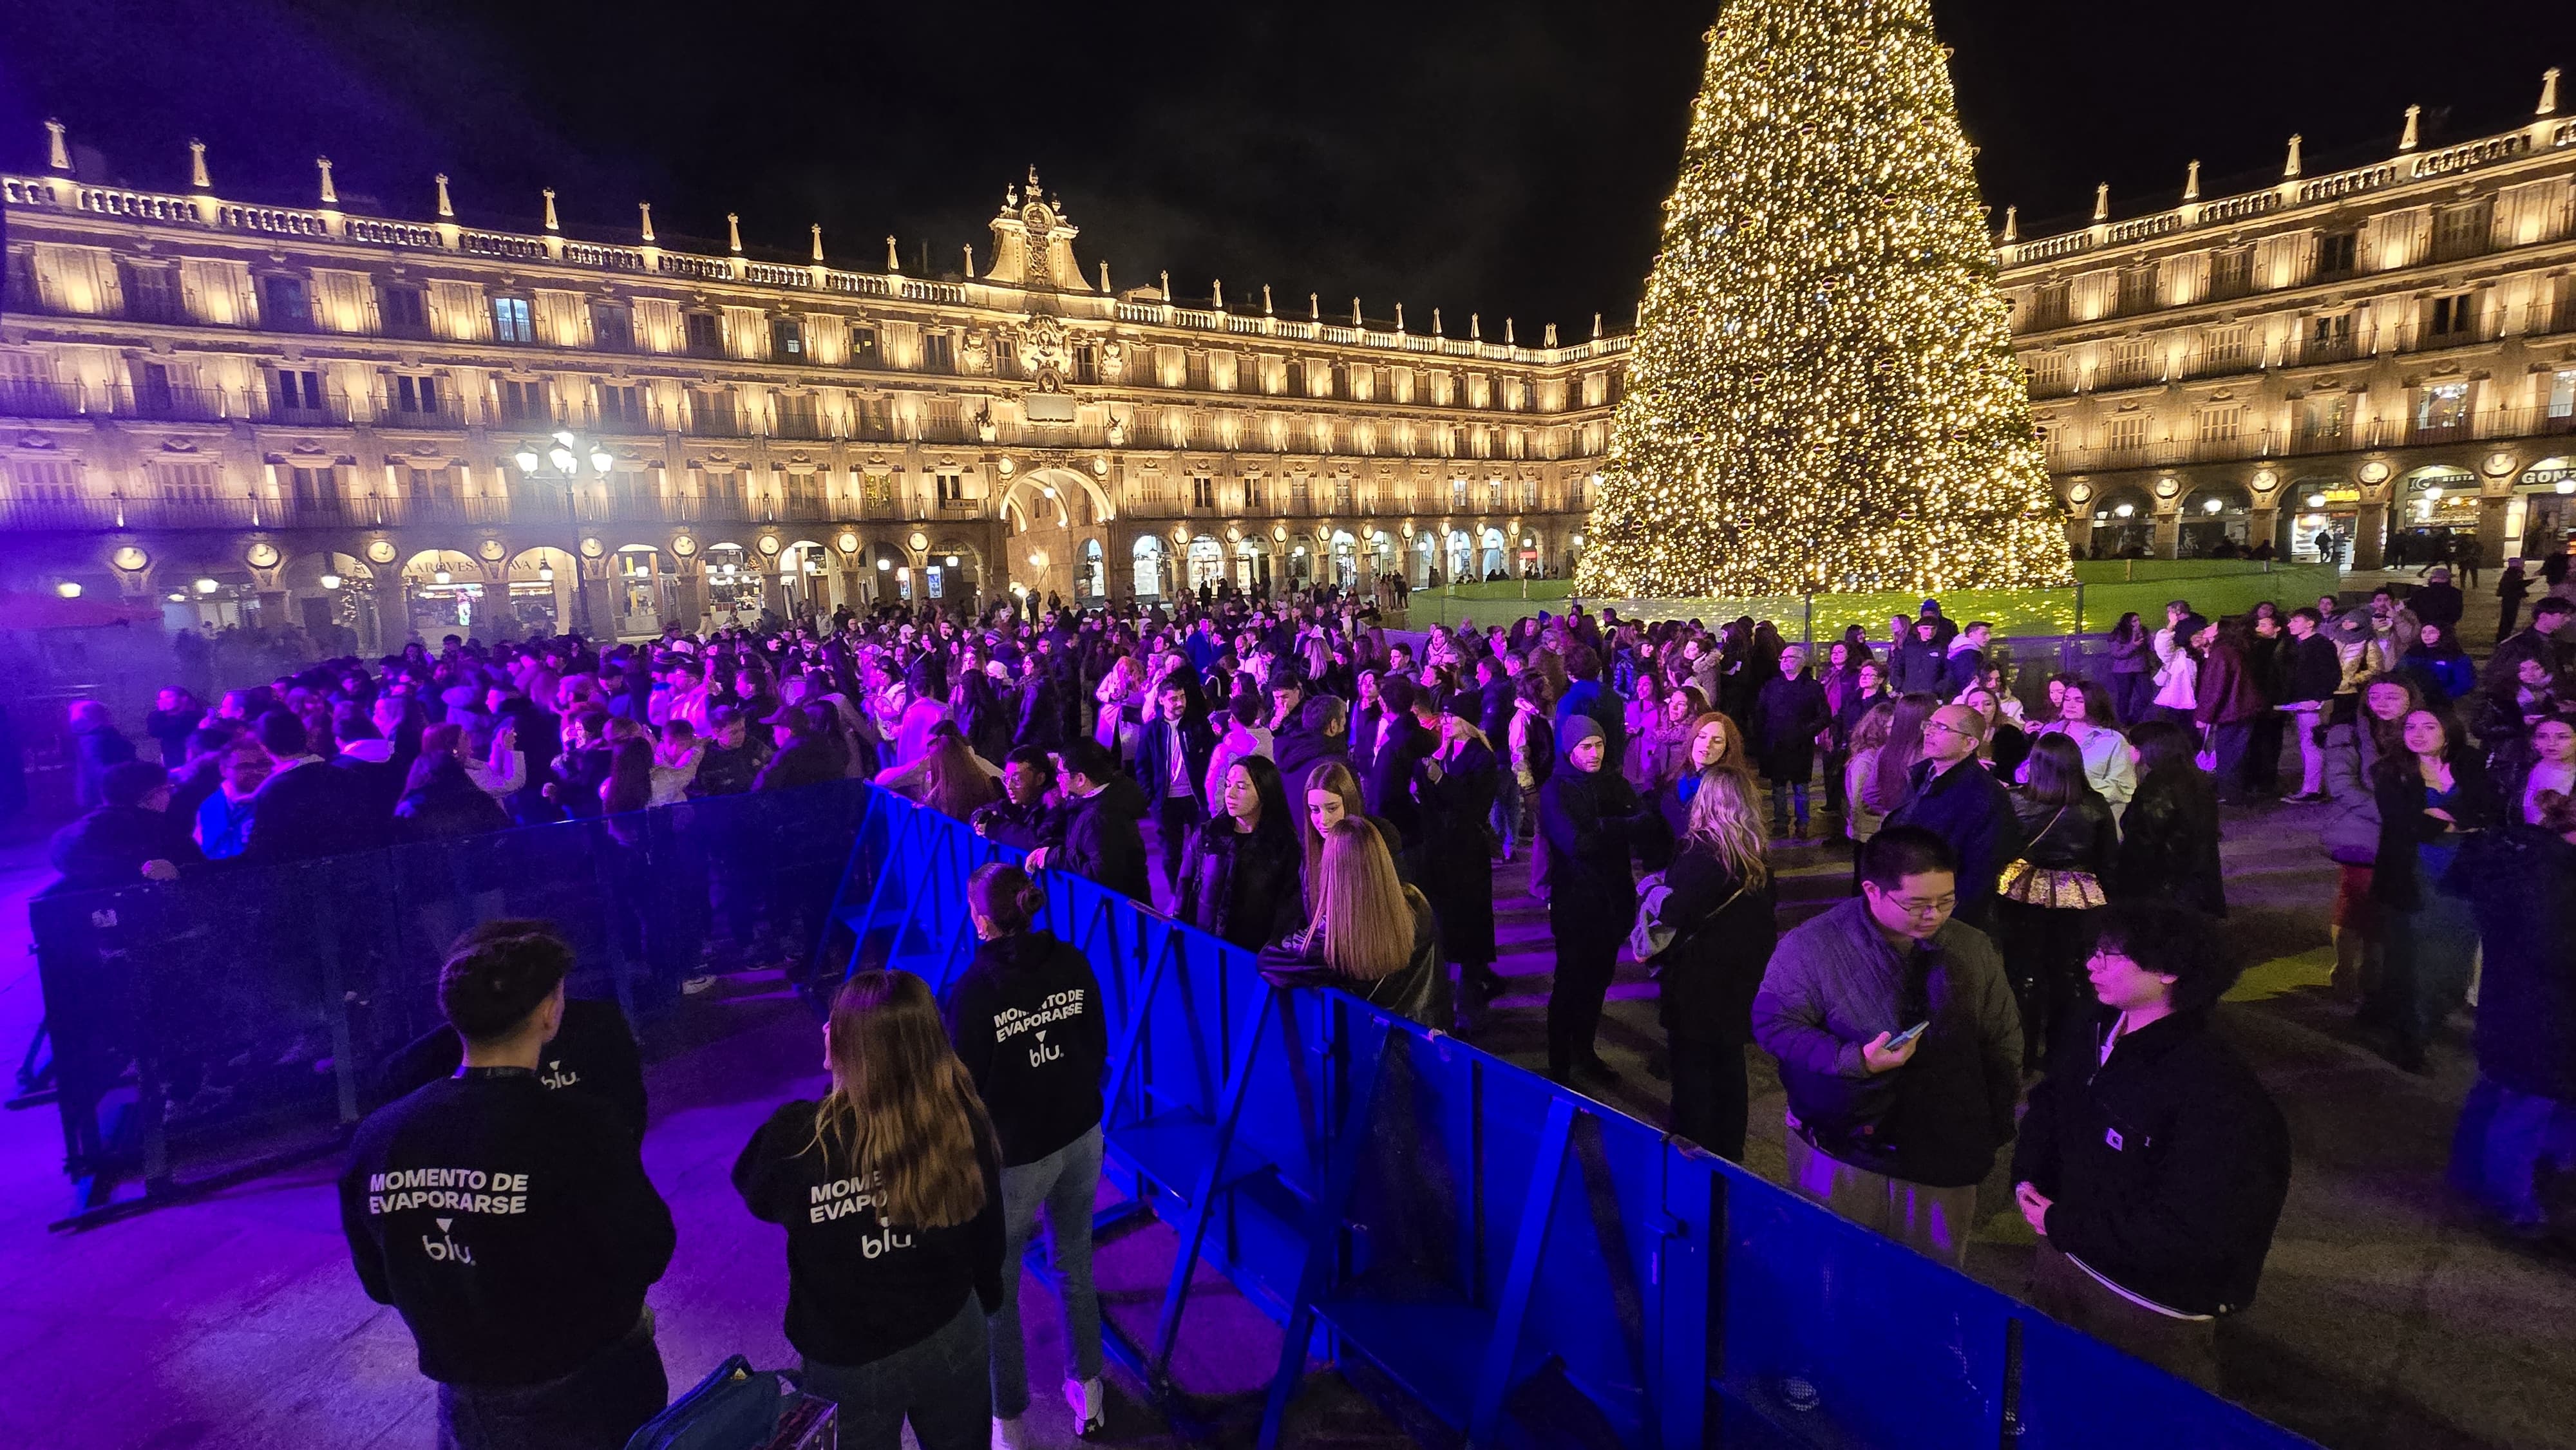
x: 1369, y: 933
x: 1718, y: 904
x: 2353, y: 750
x: 890, y: 1189
x: 1027, y: 1020
x: 2433, y: 796
x: 1331, y: 795
x: 1238, y: 875
x: 2043, y: 896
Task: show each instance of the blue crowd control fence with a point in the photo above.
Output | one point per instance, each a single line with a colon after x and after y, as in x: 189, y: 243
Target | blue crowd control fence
x: 220, y: 1025
x: 1526, y: 1264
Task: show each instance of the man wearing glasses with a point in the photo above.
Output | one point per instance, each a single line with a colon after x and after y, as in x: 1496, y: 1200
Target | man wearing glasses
x: 1955, y: 798
x: 1900, y: 1048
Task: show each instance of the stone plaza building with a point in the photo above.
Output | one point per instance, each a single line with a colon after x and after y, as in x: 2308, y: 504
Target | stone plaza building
x: 2370, y: 356
x: 303, y: 416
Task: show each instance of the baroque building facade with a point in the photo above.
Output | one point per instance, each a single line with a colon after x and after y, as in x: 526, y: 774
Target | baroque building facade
x: 2349, y: 361
x: 305, y: 415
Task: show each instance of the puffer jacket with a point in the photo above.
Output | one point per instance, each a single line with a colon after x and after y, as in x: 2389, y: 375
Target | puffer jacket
x: 2351, y: 832
x: 1237, y: 886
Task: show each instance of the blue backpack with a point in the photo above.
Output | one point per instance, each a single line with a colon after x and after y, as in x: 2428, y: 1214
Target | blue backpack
x: 735, y: 1408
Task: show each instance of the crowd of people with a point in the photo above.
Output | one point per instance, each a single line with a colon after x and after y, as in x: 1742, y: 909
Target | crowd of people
x: 2035, y: 864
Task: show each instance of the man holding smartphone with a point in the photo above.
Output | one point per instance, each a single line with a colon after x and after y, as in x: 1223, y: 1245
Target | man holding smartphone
x: 1900, y: 1048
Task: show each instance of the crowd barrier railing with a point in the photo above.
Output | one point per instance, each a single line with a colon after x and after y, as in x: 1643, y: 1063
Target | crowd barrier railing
x: 1522, y: 1261
x: 218, y: 1026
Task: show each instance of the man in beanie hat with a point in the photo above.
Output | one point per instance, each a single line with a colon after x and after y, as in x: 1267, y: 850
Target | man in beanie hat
x: 1591, y: 818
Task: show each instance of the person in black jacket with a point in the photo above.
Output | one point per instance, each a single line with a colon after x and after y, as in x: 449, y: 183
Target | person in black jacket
x: 1172, y: 751
x: 513, y: 1226
x: 2521, y: 879
x: 1787, y: 716
x: 440, y: 800
x: 306, y: 808
x: 2169, y: 834
x: 1103, y: 805
x: 1591, y: 818
x: 1238, y: 879
x: 2309, y: 673
x: 1718, y: 901
x: 1029, y: 1025
x: 592, y: 1053
x: 803, y: 758
x: 1024, y: 818
x: 128, y: 840
x: 2432, y: 795
x: 1322, y: 733
x: 2050, y: 889
x: 890, y: 1190
x: 2152, y: 1164
x: 1387, y: 782
x: 1954, y: 798
x: 1456, y: 785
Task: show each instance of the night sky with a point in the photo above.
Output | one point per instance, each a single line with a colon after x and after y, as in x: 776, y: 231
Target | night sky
x: 1505, y: 156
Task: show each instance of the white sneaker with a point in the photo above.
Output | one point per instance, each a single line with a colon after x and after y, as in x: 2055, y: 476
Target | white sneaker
x: 1006, y: 1434
x: 1089, y: 1400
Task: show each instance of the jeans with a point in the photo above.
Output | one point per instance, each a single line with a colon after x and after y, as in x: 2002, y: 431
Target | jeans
x: 2228, y: 741
x: 1506, y: 817
x: 1066, y: 1182
x: 2502, y: 1139
x: 941, y: 1384
x: 2425, y: 973
x: 596, y: 1407
x: 2133, y: 693
x: 2312, y: 752
x: 1710, y: 1094
x: 1783, y: 794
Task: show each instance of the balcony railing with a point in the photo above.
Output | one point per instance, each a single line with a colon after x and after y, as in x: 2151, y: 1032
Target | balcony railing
x: 2410, y: 430
x: 28, y: 398
x: 330, y: 410
x: 803, y: 427
x: 715, y: 423
x: 446, y: 416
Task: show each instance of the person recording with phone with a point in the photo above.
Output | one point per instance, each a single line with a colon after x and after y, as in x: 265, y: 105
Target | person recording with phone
x: 1900, y: 1048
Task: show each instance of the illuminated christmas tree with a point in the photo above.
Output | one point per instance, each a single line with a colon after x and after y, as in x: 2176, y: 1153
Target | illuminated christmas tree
x: 1822, y: 393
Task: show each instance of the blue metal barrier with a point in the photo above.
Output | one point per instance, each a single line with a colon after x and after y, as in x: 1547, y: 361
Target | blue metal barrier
x: 1521, y: 1260
x: 225, y: 1024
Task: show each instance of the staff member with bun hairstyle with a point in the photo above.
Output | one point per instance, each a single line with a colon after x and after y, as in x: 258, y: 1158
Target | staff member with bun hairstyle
x: 512, y: 1225
x: 890, y: 1189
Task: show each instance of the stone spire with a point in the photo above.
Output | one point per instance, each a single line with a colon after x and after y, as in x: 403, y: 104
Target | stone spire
x: 1399, y: 317
x: 646, y: 208
x: 1551, y: 335
x: 2102, y: 202
x: 818, y: 241
x: 58, y: 154
x: 1596, y: 327
x: 1314, y: 307
x: 330, y: 193
x: 2012, y: 224
x: 1508, y: 340
x: 2407, y: 141
x: 2548, y: 93
x: 1104, y: 277
x: 1265, y: 300
x: 2290, y: 169
x: 894, y: 259
x: 197, y: 178
x: 2191, y: 182
x: 1435, y: 323
x: 1356, y: 319
x: 1476, y: 326
x: 970, y: 261
x: 554, y: 225
x: 446, y: 208
x: 1220, y: 294
x: 733, y: 232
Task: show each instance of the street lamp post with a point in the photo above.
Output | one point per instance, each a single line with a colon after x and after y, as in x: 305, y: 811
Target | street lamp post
x: 565, y: 459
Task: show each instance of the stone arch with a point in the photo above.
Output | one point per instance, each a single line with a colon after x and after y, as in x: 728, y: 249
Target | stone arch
x: 1028, y: 496
x: 444, y: 592
x: 333, y: 598
x: 2214, y: 515
x: 2124, y: 522
x: 953, y: 570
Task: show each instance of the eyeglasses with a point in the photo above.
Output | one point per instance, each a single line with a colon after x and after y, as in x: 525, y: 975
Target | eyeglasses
x: 1945, y: 728
x: 1935, y: 907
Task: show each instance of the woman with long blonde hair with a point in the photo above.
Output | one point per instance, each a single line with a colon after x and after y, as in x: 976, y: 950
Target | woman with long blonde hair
x: 1717, y: 902
x: 1368, y: 932
x: 1330, y: 795
x: 890, y: 1190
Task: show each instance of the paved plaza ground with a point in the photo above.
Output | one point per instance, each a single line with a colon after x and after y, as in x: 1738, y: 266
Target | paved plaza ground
x: 2388, y: 1318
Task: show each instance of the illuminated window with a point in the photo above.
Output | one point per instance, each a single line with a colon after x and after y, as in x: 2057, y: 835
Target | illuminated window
x: 510, y: 320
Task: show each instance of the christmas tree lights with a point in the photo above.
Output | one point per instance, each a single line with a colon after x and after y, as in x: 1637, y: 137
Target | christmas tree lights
x: 1822, y: 394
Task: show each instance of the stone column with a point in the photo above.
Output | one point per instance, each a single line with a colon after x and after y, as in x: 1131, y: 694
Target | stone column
x: 2370, y: 534
x: 2491, y: 540
x: 2168, y: 534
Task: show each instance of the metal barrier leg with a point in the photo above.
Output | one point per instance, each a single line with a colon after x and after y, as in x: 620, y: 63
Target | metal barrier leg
x: 1323, y: 1233
x: 1202, y: 1202
x: 1536, y: 1210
